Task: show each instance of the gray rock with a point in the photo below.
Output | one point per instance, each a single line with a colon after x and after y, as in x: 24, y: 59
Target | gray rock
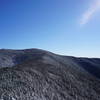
x: 35, y: 74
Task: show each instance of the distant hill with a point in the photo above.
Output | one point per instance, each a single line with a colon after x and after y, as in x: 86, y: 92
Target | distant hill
x: 34, y: 74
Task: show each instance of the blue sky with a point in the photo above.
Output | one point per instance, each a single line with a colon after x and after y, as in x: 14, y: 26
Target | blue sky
x: 69, y: 27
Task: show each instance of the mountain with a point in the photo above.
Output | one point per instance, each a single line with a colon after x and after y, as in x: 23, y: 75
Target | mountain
x: 34, y: 74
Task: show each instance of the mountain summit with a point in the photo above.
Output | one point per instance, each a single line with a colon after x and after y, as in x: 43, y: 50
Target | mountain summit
x: 34, y: 74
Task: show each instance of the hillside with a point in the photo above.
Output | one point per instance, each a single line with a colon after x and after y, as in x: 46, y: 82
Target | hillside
x: 34, y: 74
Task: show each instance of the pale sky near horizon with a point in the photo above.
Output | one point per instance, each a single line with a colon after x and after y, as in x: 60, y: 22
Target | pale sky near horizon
x: 69, y: 27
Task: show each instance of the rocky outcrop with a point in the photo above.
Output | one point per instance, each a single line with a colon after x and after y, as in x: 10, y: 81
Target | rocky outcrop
x: 35, y: 74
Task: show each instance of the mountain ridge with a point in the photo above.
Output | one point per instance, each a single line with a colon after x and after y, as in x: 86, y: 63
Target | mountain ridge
x: 34, y: 74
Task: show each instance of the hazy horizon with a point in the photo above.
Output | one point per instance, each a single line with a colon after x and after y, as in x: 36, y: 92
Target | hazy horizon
x: 65, y: 27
